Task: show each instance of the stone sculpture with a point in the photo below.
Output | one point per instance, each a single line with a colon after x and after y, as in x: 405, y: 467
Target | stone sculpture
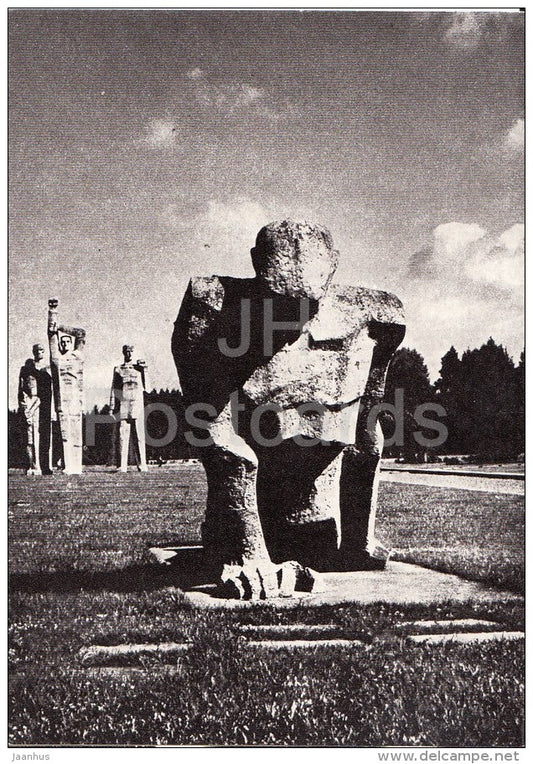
x: 67, y: 344
x: 127, y: 405
x: 280, y: 376
x: 35, y: 397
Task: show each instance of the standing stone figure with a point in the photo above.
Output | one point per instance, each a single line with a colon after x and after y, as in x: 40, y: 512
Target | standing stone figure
x: 67, y: 345
x: 35, y: 396
x: 127, y: 405
x: 280, y: 376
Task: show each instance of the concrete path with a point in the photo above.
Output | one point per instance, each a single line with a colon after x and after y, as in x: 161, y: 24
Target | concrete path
x: 444, y: 480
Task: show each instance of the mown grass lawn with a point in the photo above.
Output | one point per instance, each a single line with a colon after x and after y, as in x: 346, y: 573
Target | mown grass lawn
x: 79, y: 577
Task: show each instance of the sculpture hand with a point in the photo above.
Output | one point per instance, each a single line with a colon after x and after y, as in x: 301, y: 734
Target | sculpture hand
x: 253, y: 580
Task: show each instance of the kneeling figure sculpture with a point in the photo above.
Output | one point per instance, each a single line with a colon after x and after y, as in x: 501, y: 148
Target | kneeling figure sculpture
x: 281, y: 375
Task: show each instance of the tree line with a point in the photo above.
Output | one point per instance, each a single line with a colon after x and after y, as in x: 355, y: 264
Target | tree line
x: 482, y: 394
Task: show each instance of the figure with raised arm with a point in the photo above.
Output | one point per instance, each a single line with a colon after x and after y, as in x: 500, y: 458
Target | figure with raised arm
x: 67, y: 345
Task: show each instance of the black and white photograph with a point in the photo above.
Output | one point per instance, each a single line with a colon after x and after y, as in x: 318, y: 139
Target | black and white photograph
x: 266, y: 405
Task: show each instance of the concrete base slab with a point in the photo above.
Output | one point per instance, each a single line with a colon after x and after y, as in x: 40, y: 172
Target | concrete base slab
x: 472, y: 637
x: 399, y: 583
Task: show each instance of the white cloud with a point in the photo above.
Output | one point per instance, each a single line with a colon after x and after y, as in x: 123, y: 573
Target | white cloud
x: 452, y: 240
x: 230, y: 97
x: 237, y: 216
x: 466, y: 30
x: 504, y: 146
x: 464, y: 254
x: 235, y: 97
x: 514, y: 138
x: 195, y: 74
x: 465, y: 286
x: 160, y: 134
x: 501, y: 262
x: 217, y: 237
x: 513, y: 238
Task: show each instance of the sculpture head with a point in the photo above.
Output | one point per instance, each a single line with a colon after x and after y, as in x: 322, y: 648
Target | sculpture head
x: 65, y: 343
x: 127, y: 352
x: 52, y: 303
x: 38, y: 352
x: 296, y: 259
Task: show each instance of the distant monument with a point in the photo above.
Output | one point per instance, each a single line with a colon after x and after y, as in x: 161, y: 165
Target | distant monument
x: 34, y: 397
x: 280, y: 374
x: 67, y: 346
x: 127, y: 405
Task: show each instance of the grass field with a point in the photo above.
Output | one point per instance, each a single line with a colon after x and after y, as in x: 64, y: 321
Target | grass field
x: 79, y: 576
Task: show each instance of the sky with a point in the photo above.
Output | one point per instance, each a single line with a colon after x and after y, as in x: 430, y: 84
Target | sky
x: 149, y: 146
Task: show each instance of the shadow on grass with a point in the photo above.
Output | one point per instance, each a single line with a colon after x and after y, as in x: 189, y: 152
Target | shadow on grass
x: 187, y: 569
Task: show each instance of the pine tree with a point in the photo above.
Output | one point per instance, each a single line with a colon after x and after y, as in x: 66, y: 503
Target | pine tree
x: 407, y: 380
x: 448, y: 391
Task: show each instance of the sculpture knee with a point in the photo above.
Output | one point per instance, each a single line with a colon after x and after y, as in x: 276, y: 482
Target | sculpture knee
x: 229, y: 459
x: 369, y: 441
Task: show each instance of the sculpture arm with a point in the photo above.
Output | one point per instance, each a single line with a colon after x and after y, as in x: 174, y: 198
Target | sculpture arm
x: 387, y: 338
x: 115, y: 385
x: 144, y: 377
x: 29, y: 401
x: 53, y: 342
x: 21, y: 396
x: 73, y: 330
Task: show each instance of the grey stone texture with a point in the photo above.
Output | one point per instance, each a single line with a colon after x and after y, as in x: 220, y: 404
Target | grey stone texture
x: 290, y: 365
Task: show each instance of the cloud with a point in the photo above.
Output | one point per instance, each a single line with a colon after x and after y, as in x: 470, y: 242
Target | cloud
x: 237, y: 216
x: 505, y: 146
x: 229, y: 97
x: 195, y: 74
x: 421, y: 262
x: 465, y: 253
x: 217, y: 236
x: 451, y: 240
x: 160, y: 134
x: 463, y: 287
x: 501, y: 261
x: 465, y: 31
x: 514, y: 138
x: 235, y: 98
